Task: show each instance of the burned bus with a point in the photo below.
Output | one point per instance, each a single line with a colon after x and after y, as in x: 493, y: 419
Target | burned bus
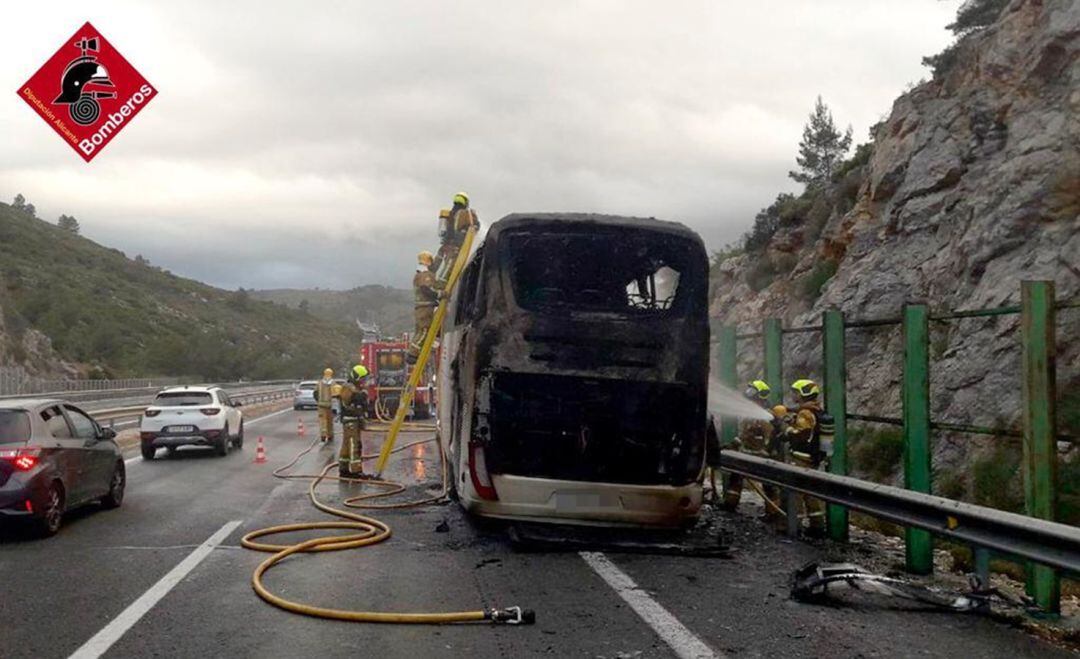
x: 574, y: 368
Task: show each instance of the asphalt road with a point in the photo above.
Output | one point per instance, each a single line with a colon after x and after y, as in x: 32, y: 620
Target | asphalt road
x: 141, y: 582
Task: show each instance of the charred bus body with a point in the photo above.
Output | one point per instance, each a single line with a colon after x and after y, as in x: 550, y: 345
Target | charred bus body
x: 574, y: 369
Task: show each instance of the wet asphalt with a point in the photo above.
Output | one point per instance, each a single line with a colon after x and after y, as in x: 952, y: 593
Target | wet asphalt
x: 55, y: 594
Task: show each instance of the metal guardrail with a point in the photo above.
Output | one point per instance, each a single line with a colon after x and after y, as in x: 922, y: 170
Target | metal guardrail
x: 109, y: 417
x: 1049, y: 543
x: 91, y: 395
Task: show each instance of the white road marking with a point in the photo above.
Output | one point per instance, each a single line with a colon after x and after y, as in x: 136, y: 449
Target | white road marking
x: 113, y: 631
x: 138, y: 458
x: 683, y: 641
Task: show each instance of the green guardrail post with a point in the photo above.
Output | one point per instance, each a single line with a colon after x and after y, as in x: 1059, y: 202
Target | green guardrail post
x: 773, y: 337
x: 916, y: 413
x: 1040, y: 428
x: 836, y: 405
x: 774, y: 366
x: 728, y: 356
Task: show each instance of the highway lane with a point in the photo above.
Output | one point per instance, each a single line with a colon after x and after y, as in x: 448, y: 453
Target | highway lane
x: 59, y: 593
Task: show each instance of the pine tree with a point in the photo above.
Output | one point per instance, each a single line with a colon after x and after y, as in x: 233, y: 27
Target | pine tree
x: 821, y: 149
x: 68, y: 223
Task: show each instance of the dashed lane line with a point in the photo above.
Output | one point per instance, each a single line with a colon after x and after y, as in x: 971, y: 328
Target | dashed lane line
x: 113, y: 631
x: 681, y: 640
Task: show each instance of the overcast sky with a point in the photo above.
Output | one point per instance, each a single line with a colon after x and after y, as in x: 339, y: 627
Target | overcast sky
x: 305, y: 143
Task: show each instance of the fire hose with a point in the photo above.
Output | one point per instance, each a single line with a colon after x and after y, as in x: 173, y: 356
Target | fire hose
x: 365, y: 531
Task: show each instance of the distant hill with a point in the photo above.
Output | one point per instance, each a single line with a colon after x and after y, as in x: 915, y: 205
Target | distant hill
x: 110, y: 316
x: 389, y: 308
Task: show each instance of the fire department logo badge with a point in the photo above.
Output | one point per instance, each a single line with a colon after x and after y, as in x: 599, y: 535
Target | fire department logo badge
x: 87, y: 92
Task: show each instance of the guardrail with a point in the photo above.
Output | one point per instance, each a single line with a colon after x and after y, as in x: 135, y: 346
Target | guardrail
x: 1049, y: 543
x: 1039, y: 434
x: 109, y: 417
x: 91, y: 395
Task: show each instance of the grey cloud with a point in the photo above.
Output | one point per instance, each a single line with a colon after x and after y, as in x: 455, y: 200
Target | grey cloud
x: 313, y: 133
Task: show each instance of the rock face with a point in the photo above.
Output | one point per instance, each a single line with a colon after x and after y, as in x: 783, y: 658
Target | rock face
x: 973, y: 186
x: 25, y: 351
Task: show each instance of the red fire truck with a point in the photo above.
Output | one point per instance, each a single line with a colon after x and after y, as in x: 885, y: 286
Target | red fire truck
x: 388, y: 371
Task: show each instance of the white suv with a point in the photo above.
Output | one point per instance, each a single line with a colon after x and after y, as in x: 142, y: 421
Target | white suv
x: 191, y: 416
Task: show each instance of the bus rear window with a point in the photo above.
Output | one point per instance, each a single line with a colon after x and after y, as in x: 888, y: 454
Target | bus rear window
x: 627, y: 272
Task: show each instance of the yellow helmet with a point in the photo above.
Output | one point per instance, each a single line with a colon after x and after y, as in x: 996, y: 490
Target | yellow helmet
x: 779, y: 411
x: 358, y: 373
x: 444, y: 212
x: 806, y: 389
x: 425, y: 258
x: 758, y: 389
x: 461, y: 198
x: 328, y: 373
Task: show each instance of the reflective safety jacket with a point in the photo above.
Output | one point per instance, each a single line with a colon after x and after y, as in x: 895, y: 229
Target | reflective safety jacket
x: 812, y: 432
x: 424, y: 291
x: 354, y: 402
x: 324, y: 392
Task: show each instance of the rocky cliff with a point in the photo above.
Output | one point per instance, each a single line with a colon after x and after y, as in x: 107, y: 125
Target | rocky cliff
x: 972, y: 185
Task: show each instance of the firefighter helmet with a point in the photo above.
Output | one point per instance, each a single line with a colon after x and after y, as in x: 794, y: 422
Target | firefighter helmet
x: 757, y: 390
x: 328, y: 373
x: 461, y: 198
x: 806, y: 389
x: 358, y: 373
x: 425, y: 258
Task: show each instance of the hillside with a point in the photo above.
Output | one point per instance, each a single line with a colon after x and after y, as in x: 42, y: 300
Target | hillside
x: 72, y: 306
x: 970, y: 185
x: 389, y: 308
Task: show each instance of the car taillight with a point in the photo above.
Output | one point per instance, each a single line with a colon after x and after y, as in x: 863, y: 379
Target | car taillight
x: 481, y: 479
x: 151, y: 412
x: 23, y: 459
x: 210, y: 411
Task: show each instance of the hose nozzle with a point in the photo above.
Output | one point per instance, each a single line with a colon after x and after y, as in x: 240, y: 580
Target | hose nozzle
x: 513, y: 615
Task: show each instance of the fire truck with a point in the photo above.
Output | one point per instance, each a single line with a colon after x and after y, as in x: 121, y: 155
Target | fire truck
x: 388, y: 371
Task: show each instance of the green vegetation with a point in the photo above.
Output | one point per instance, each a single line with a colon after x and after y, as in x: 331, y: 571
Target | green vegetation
x: 822, y: 148
x: 125, y: 317
x: 971, y: 17
x: 995, y: 478
x: 876, y: 452
x: 811, y: 284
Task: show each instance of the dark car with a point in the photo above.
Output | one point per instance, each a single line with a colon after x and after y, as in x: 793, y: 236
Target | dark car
x: 53, y: 458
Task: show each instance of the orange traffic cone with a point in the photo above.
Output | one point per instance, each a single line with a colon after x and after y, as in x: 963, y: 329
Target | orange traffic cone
x: 300, y: 427
x: 260, y: 452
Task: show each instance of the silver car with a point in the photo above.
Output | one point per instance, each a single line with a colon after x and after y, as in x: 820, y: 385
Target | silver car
x: 304, y: 396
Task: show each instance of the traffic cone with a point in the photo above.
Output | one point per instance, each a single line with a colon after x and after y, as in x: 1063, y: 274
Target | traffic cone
x: 300, y: 427
x: 260, y: 452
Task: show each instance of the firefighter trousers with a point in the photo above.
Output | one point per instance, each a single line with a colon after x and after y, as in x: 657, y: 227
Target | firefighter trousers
x: 352, y: 446
x: 326, y: 423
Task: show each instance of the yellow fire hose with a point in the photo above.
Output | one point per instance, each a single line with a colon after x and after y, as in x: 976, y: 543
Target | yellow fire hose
x: 367, y: 531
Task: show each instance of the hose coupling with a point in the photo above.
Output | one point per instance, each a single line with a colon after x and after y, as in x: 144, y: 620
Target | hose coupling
x: 513, y: 615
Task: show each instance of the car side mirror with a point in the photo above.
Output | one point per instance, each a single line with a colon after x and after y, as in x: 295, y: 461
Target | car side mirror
x: 107, y: 433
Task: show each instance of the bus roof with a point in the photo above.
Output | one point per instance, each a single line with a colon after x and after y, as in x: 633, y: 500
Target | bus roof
x: 541, y: 220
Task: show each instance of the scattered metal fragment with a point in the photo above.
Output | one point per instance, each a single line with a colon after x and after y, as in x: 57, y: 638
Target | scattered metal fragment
x: 811, y: 582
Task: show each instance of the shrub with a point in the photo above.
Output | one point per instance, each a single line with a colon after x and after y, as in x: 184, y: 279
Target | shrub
x: 995, y: 478
x: 876, y: 452
x: 812, y: 284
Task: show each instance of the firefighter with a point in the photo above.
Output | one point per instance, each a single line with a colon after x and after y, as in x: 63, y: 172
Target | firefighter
x: 756, y: 436
x: 425, y: 299
x: 461, y: 218
x: 354, y: 408
x: 324, y: 398
x: 809, y: 438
